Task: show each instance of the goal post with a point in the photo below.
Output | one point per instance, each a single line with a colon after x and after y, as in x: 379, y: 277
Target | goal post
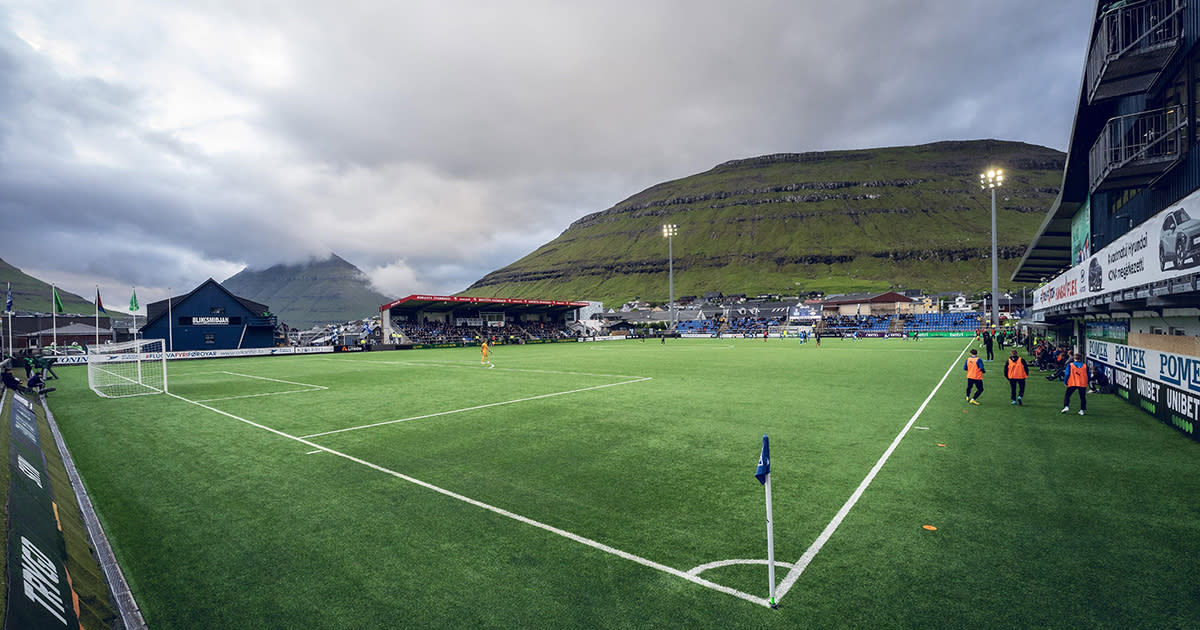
x: 129, y: 368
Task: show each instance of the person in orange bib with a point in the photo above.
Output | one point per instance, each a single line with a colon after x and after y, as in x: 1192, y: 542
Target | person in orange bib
x: 1075, y: 375
x: 1016, y: 371
x: 975, y: 370
x: 484, y: 360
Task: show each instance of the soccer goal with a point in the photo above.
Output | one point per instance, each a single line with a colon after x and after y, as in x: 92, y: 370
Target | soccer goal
x: 129, y: 368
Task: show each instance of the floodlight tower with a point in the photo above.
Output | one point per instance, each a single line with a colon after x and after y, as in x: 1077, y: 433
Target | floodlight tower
x: 669, y: 231
x: 992, y: 180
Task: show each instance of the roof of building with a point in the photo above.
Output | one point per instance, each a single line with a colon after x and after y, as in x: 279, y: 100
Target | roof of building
x: 158, y: 310
x: 70, y: 329
x: 863, y: 298
x: 448, y: 303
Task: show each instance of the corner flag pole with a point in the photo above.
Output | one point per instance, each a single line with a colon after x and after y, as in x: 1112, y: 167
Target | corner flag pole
x: 763, y: 474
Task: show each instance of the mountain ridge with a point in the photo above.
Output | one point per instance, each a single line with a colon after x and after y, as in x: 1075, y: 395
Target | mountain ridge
x: 832, y: 221
x: 32, y: 295
x: 320, y: 291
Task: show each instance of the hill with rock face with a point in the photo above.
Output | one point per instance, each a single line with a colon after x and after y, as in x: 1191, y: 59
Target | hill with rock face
x: 310, y: 294
x: 837, y: 221
x: 31, y: 295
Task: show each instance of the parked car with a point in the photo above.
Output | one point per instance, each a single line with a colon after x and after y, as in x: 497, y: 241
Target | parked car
x: 1095, y: 276
x: 1179, y: 240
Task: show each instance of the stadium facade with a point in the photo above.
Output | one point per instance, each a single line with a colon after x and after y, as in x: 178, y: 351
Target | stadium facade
x: 1118, y: 255
x: 210, y: 318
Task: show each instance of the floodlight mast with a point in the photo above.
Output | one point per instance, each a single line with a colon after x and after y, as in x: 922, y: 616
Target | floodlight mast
x: 992, y: 180
x: 669, y: 231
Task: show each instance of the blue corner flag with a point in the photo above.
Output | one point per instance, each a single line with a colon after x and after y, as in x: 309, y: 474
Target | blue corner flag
x: 764, y: 463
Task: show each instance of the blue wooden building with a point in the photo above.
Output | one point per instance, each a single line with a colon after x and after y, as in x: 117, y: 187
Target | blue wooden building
x: 210, y: 318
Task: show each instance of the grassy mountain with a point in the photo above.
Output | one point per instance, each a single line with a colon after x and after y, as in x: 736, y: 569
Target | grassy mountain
x: 31, y: 295
x: 865, y: 220
x: 313, y: 293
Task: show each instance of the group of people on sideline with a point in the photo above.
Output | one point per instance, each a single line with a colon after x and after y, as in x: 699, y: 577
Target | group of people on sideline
x: 1070, y: 368
x: 36, y: 368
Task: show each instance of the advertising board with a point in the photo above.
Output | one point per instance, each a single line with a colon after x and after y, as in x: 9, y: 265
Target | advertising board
x: 1165, y: 246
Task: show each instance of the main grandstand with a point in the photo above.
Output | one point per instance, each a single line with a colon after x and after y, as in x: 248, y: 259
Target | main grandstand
x: 439, y: 319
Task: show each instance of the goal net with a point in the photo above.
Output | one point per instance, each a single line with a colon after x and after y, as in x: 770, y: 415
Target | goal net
x: 129, y: 368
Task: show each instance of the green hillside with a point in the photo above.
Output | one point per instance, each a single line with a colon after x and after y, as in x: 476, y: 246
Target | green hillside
x: 313, y: 293
x: 864, y: 220
x: 31, y: 295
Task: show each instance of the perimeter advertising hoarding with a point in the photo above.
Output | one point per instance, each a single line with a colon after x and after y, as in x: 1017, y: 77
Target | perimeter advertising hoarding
x: 39, y: 591
x: 1164, y: 247
x: 1164, y: 384
x: 1081, y: 234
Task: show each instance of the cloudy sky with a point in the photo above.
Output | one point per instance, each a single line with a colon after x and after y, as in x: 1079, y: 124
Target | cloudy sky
x: 156, y: 144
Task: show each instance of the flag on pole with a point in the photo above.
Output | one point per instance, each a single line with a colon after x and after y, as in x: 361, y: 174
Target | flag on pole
x: 8, y: 302
x: 763, y: 474
x: 764, y: 462
x: 99, y: 304
x: 58, y: 305
x: 133, y: 303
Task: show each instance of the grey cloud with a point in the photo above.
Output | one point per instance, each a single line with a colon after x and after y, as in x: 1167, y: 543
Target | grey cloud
x: 387, y: 131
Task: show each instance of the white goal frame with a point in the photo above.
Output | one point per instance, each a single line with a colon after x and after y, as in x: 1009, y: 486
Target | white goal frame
x: 129, y: 368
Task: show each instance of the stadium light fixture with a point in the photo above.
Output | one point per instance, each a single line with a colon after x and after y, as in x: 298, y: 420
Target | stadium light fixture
x: 992, y: 180
x: 670, y: 230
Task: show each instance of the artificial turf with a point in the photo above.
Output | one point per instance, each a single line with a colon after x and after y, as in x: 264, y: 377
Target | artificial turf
x: 222, y: 518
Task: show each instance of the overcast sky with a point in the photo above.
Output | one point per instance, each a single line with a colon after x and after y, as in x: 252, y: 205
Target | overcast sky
x: 156, y: 144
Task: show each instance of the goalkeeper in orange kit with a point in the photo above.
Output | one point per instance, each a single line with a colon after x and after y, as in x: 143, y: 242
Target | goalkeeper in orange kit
x: 483, y: 359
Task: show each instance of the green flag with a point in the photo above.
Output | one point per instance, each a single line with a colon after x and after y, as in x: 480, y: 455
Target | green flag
x: 133, y: 305
x: 58, y: 307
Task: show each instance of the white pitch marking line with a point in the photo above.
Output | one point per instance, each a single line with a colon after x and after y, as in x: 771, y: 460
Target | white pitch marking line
x: 277, y: 380
x: 501, y: 511
x: 290, y: 391
x: 728, y: 563
x: 473, y: 365
x: 313, y: 452
x: 476, y: 408
x: 310, y: 386
x: 827, y: 533
x: 921, y: 428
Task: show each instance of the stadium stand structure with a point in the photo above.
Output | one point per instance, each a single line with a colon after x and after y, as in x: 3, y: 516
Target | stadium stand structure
x: 428, y: 319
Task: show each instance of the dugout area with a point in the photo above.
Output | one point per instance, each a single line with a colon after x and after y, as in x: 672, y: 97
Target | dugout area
x: 475, y: 312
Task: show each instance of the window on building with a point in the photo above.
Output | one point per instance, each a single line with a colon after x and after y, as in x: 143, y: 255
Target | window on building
x: 210, y: 338
x: 1118, y: 198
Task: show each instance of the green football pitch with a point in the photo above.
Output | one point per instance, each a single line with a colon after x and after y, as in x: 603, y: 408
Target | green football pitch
x: 611, y: 485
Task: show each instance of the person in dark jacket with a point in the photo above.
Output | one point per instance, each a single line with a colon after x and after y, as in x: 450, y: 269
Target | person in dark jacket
x: 11, y: 381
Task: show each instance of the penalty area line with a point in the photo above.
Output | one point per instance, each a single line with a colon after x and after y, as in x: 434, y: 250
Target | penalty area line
x: 798, y: 568
x: 475, y: 408
x: 699, y: 581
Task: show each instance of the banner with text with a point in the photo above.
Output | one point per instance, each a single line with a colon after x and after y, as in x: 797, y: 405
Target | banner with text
x: 1164, y: 247
x: 1164, y: 384
x: 39, y: 590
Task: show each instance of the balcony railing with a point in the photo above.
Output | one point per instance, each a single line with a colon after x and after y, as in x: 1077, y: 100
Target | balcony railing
x: 1134, y: 150
x: 1133, y: 44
